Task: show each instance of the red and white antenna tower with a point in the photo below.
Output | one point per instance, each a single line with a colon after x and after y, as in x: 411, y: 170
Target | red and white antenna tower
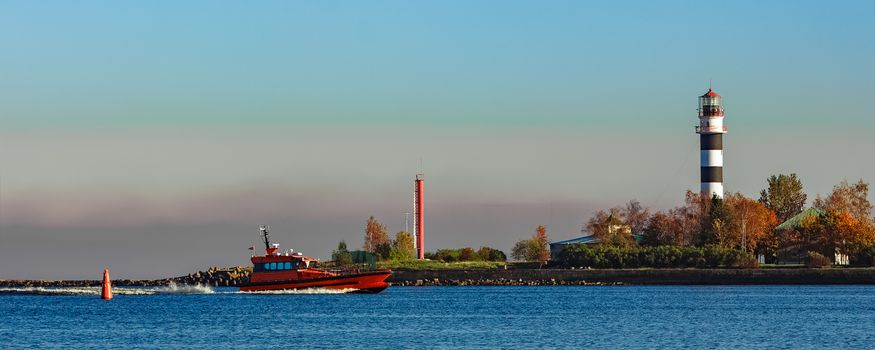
x: 418, y: 223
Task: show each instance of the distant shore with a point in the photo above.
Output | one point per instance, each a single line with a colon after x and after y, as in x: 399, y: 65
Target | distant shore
x: 235, y: 276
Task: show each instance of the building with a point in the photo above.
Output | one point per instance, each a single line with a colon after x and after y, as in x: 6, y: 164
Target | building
x: 795, y: 253
x: 614, y: 226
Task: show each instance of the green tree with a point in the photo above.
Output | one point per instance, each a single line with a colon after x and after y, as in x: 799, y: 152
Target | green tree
x: 491, y: 254
x: 535, y: 248
x: 522, y: 250
x: 783, y: 196
x: 447, y: 255
x: 402, y: 247
x: 341, y: 255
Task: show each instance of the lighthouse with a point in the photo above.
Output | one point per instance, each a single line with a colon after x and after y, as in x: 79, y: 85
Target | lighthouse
x: 711, y: 130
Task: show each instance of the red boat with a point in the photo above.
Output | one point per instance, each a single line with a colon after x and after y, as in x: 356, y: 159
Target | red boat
x: 292, y: 270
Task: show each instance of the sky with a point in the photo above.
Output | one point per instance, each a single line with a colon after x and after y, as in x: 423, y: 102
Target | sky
x: 154, y: 137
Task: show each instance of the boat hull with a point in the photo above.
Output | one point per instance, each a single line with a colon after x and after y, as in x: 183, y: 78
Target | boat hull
x: 366, y: 282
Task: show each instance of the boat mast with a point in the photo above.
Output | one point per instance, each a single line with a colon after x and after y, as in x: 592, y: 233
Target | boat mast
x: 265, y: 231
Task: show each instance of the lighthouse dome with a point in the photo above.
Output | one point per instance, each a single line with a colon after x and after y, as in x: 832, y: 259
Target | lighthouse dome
x: 710, y: 93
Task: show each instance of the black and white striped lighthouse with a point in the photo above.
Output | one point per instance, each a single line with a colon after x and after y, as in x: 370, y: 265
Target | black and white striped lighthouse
x: 711, y: 130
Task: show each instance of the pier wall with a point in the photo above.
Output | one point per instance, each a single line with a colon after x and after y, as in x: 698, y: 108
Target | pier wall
x: 634, y: 276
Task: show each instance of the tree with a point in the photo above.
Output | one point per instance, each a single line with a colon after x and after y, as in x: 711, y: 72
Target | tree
x: 715, y: 227
x: 521, y: 250
x: 467, y: 254
x: 402, y: 247
x: 609, y: 229
x: 847, y: 198
x: 541, y: 243
x: 535, y: 248
x: 852, y: 234
x: 635, y: 215
x: 491, y: 254
x: 688, y: 218
x: 377, y: 239
x: 662, y: 229
x: 341, y: 255
x: 447, y: 255
x: 749, y: 223
x: 783, y: 196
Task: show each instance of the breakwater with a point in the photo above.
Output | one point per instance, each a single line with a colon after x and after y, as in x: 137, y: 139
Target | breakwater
x: 214, y: 276
x: 236, y: 276
x: 633, y: 276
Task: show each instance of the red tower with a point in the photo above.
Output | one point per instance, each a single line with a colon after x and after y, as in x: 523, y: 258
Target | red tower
x: 418, y: 224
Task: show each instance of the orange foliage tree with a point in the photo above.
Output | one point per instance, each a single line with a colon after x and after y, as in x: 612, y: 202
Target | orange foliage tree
x: 750, y: 222
x: 851, y: 234
x: 377, y: 238
x: 536, y: 248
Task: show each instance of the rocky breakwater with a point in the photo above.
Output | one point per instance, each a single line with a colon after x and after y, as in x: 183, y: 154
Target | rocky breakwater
x: 497, y: 282
x: 488, y: 277
x: 217, y: 277
x: 80, y: 283
x: 213, y: 276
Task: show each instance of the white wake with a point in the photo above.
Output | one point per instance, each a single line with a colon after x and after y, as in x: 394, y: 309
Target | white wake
x: 170, y: 289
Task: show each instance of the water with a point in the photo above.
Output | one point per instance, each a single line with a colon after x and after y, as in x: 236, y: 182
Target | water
x: 740, y: 317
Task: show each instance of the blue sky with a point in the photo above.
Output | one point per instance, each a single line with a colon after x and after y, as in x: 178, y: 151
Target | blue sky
x: 197, y: 121
x: 439, y: 63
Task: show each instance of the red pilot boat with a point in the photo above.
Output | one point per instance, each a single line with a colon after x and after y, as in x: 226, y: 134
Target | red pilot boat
x: 278, y: 271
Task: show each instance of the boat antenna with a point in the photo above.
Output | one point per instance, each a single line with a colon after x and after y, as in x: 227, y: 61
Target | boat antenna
x: 265, y: 231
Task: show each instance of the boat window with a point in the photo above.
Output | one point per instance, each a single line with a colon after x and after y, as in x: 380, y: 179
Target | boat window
x: 273, y: 266
x: 267, y: 266
x: 288, y: 266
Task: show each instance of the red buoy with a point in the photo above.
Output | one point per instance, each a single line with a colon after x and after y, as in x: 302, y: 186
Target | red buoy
x: 106, y: 291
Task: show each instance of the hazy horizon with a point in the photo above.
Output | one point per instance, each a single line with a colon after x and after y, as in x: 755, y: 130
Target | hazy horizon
x: 154, y: 138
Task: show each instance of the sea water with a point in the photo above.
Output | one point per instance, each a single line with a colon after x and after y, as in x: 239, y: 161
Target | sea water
x: 582, y: 317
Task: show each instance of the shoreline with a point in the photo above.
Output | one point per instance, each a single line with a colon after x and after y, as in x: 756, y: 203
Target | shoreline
x: 236, y: 276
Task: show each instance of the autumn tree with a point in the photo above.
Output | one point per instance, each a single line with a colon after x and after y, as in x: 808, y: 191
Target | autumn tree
x: 635, y: 215
x: 783, y: 196
x: 536, y: 248
x: 850, y: 234
x: 749, y: 223
x: 662, y: 229
x: 690, y: 217
x: 402, y: 247
x: 850, y: 198
x: 829, y: 232
x: 377, y: 239
x: 609, y: 229
x: 541, y: 243
x: 616, y: 226
x: 468, y: 254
